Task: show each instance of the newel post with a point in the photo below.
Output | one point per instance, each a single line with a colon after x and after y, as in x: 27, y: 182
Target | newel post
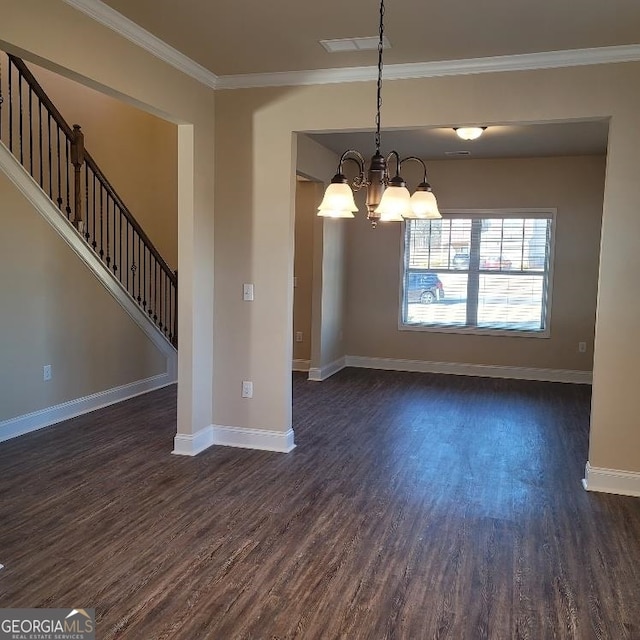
x: 77, y: 159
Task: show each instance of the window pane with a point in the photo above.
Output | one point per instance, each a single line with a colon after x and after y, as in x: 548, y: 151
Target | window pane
x: 513, y: 244
x: 487, y: 272
x: 436, y: 298
x: 438, y: 244
x: 537, y: 233
x: 511, y: 302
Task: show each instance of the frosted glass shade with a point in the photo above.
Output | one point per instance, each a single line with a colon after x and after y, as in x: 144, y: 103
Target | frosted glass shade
x: 424, y: 205
x: 338, y: 202
x: 469, y: 133
x: 335, y: 213
x: 396, y: 202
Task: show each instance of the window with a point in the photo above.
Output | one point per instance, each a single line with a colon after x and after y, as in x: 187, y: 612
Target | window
x: 486, y: 272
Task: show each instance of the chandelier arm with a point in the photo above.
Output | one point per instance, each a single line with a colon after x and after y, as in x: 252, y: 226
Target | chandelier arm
x: 396, y: 155
x: 355, y: 156
x: 416, y: 159
x: 349, y: 155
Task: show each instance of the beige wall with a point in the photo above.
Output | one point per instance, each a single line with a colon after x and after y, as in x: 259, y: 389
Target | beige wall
x: 320, y: 266
x: 328, y: 259
x: 258, y: 125
x: 56, y: 36
x: 137, y: 151
x: 306, y: 203
x: 315, y: 161
x: 54, y: 311
x: 333, y: 304
x: 574, y: 186
x: 255, y: 205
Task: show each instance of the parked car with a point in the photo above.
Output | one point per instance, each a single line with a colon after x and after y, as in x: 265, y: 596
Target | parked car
x: 424, y: 287
x: 460, y: 261
x: 495, y: 262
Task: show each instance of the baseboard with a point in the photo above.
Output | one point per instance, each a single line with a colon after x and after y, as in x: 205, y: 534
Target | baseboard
x: 462, y: 369
x: 301, y: 365
x: 624, y: 483
x: 261, y: 439
x: 52, y: 415
x: 280, y: 441
x: 194, y: 443
x: 319, y: 374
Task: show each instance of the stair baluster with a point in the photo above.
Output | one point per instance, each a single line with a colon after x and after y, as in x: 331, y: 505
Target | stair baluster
x: 100, y: 216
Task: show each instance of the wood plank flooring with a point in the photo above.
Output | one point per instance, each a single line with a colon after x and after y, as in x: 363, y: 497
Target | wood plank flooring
x: 415, y: 506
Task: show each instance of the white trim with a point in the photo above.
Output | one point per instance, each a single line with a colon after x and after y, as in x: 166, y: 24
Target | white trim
x: 464, y: 369
x: 105, y: 15
x: 301, y: 365
x: 193, y: 443
x: 43, y: 205
x: 493, y: 64
x: 20, y: 425
x: 280, y: 441
x: 474, y: 331
x: 318, y: 374
x: 624, y: 483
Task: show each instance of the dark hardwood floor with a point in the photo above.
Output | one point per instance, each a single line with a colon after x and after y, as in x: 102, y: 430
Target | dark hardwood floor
x: 414, y: 506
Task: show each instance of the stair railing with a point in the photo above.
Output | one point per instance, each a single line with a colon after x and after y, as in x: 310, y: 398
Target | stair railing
x: 53, y: 153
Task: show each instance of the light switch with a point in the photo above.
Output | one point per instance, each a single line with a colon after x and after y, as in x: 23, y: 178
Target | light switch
x: 247, y: 292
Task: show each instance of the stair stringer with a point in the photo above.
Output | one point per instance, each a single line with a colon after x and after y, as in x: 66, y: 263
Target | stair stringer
x: 21, y: 178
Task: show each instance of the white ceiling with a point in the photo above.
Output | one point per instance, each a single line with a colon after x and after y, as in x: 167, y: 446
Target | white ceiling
x: 532, y: 140
x: 255, y: 36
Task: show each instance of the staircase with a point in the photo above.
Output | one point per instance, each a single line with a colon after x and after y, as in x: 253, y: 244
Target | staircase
x: 53, y: 153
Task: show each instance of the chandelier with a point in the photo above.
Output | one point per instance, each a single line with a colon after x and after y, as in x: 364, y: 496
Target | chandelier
x: 388, y: 199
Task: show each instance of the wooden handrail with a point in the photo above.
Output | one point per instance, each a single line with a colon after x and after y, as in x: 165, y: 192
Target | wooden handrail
x: 43, y: 97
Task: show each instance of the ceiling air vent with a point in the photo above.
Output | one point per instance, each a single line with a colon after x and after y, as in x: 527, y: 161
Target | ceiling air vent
x: 354, y: 44
x: 457, y: 153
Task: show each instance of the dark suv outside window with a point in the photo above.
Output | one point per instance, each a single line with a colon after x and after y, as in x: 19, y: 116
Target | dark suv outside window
x: 424, y: 287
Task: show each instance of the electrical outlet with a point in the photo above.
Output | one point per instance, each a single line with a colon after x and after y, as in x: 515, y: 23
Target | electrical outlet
x: 247, y: 292
x: 582, y: 347
x: 247, y: 389
x: 298, y: 336
x: 46, y: 372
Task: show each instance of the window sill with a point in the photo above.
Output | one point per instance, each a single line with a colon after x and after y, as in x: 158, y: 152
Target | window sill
x: 502, y: 333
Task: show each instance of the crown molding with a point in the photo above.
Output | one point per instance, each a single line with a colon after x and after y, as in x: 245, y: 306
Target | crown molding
x: 105, y: 15
x: 494, y: 64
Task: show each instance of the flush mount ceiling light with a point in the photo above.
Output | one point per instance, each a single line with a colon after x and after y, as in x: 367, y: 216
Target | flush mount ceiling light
x: 469, y: 133
x: 388, y: 198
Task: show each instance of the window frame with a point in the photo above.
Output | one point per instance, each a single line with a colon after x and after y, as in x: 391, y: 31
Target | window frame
x: 538, y: 212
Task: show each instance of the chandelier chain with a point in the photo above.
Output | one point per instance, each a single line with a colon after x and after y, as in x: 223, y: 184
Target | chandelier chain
x: 387, y: 198
x: 380, y: 49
